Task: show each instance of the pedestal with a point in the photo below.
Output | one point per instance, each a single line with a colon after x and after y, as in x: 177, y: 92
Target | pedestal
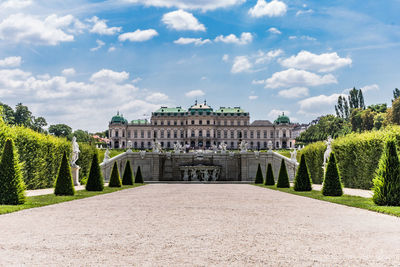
x: 75, y: 175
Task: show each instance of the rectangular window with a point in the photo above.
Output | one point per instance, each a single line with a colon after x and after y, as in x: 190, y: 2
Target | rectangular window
x: 265, y: 134
x: 168, y: 134
x: 182, y: 134
x: 208, y: 122
x: 272, y: 134
x: 200, y: 122
x: 200, y: 133
x: 225, y: 134
x: 129, y: 134
x: 258, y: 134
x: 135, y: 134
x: 148, y: 134
x: 232, y: 134
x: 218, y: 134
x: 251, y: 134
x: 245, y: 134
x: 208, y: 133
x: 142, y: 134
x: 175, y: 134
x: 175, y: 123
x: 162, y: 134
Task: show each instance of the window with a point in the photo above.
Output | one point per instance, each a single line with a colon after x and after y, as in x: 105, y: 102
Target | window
x: 168, y: 134
x: 265, y: 134
x: 272, y: 134
x: 168, y: 123
x: 192, y: 133
x: 232, y: 145
x: 265, y: 144
x: 123, y: 133
x: 155, y: 134
x: 162, y: 122
x: 135, y: 134
x: 155, y: 123
x: 192, y: 122
x: 142, y: 134
x: 245, y: 134
x: 148, y: 144
x: 175, y: 123
x: 232, y: 134
x: 258, y: 134
x: 142, y: 145
x: 284, y: 133
x: 129, y: 134
x: 218, y: 134
x: 181, y: 122
x: 208, y: 122
x: 208, y: 133
x: 182, y: 134
x: 175, y: 134
x: 168, y: 144
x: 200, y: 133
x: 251, y: 134
x: 200, y: 122
x: 162, y: 134
x: 135, y: 144
x: 225, y: 134
x: 239, y: 134
x: 148, y: 134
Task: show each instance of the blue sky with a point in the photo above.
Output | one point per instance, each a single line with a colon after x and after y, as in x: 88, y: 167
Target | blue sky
x: 78, y: 62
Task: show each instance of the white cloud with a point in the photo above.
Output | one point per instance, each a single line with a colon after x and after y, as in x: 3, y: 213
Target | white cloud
x: 195, y: 93
x: 326, y: 62
x: 111, y: 49
x: 107, y: 76
x: 275, y: 8
x: 265, y: 57
x: 318, y: 105
x: 275, y: 113
x: 253, y: 97
x: 182, y: 21
x: 15, y: 4
x: 225, y: 57
x: 245, y: 38
x: 157, y: 97
x: 100, y: 44
x: 295, y: 92
x: 274, y: 30
x: 100, y: 27
x: 189, y: 4
x: 50, y: 31
x: 302, y: 12
x: 10, y: 62
x: 195, y: 41
x: 298, y: 78
x: 241, y: 64
x: 371, y: 87
x: 138, y: 35
x: 136, y: 80
x: 68, y: 72
x: 303, y: 37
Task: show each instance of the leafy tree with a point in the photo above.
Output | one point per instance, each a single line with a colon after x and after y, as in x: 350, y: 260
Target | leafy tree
x: 138, y: 177
x: 378, y: 108
x: 387, y: 179
x: 342, y: 108
x: 302, y: 181
x: 396, y: 94
x: 127, y: 178
x: 64, y: 184
x: 22, y: 115
x: 332, y: 183
x: 393, y: 114
x: 259, y: 176
x: 95, y: 181
x: 11, y: 184
x: 356, y: 99
x: 60, y: 130
x: 270, y: 179
x: 379, y: 121
x: 8, y: 114
x: 82, y: 136
x: 283, y: 177
x: 38, y: 124
x: 356, y: 120
x: 115, y: 180
x: 367, y: 118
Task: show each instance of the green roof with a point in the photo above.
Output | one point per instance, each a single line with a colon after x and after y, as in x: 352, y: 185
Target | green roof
x: 282, y: 119
x: 118, y: 119
x: 230, y: 110
x: 170, y: 110
x: 139, y: 121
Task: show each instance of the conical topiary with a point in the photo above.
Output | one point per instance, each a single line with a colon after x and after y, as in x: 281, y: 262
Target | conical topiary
x: 95, y: 181
x: 138, y: 177
x: 127, y: 178
x: 259, y: 176
x: 270, y: 179
x: 302, y: 181
x: 332, y: 183
x: 12, y: 186
x: 387, y: 179
x: 283, y: 178
x: 115, y: 180
x: 64, y: 184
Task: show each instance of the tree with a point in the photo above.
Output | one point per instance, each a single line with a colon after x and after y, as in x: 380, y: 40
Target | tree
x: 60, y: 130
x: 379, y: 121
x: 367, y: 120
x: 64, y: 184
x: 115, y: 180
x: 302, y: 181
x: 38, y: 124
x: 396, y: 94
x: 332, y: 185
x: 342, y: 108
x: 8, y: 114
x: 393, y: 114
x: 356, y: 99
x: 82, y: 136
x: 283, y: 178
x: 387, y: 179
x: 12, y: 186
x: 95, y: 181
x: 138, y: 177
x: 356, y: 120
x: 259, y: 176
x: 127, y: 178
x: 270, y: 179
x: 378, y: 108
x: 22, y: 115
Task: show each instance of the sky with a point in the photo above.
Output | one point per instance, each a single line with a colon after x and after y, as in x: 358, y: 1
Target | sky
x: 79, y: 62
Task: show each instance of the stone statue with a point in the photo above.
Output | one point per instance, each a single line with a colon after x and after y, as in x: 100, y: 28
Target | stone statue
x: 214, y: 148
x: 142, y: 154
x: 215, y: 173
x: 243, y: 146
x: 293, y: 155
x: 222, y: 147
x: 177, y: 148
x: 156, y: 147
x: 186, y: 175
x: 270, y: 145
x: 327, y: 151
x: 106, y: 155
x: 194, y: 175
x: 75, y: 152
x: 206, y: 176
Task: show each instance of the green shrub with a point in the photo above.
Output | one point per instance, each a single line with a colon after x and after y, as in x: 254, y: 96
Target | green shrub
x: 11, y: 184
x: 283, y: 178
x: 259, y: 176
x: 85, y: 160
x: 387, y: 178
x: 302, y: 181
x: 332, y: 183
x: 64, y: 184
x: 270, y: 179
x: 115, y: 180
x: 314, y: 154
x: 127, y: 178
x: 95, y: 181
x: 138, y: 177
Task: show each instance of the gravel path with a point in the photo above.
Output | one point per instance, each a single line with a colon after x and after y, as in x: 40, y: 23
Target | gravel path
x: 199, y: 225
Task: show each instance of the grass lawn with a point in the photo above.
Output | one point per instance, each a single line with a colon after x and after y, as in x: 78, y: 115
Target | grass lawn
x: 351, y: 201
x: 44, y: 200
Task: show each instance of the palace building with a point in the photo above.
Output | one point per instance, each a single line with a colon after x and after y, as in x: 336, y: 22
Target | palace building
x: 201, y: 127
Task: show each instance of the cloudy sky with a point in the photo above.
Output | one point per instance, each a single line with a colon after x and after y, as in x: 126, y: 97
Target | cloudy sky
x: 78, y: 62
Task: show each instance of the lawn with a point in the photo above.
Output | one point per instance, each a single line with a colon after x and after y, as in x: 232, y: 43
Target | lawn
x: 351, y: 201
x: 44, y: 200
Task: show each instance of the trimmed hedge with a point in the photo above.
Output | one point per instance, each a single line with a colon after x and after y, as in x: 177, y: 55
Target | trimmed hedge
x: 270, y: 179
x: 115, y: 179
x: 95, y: 181
x: 302, y: 181
x: 259, y: 176
x: 64, y: 184
x: 138, y: 177
x: 127, y: 178
x: 332, y: 183
x: 283, y: 178
x: 314, y: 156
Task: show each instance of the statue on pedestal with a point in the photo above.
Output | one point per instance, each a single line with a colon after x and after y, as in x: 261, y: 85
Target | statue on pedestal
x: 106, y: 155
x: 327, y: 151
x: 243, y: 146
x: 74, y: 157
x: 293, y: 155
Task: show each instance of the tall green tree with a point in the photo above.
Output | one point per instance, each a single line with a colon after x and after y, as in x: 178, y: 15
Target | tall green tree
x: 356, y: 99
x: 64, y: 185
x: 332, y: 185
x: 115, y: 179
x: 95, y: 180
x: 127, y: 177
x: 22, y: 115
x: 138, y: 176
x: 396, y: 94
x: 302, y: 181
x: 393, y: 114
x: 82, y: 136
x: 283, y: 177
x: 259, y: 176
x: 62, y: 130
x: 38, y: 124
x: 8, y: 114
x: 270, y: 178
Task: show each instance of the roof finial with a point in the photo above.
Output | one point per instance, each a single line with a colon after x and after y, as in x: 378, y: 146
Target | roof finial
x: 118, y: 112
x: 205, y: 102
x: 195, y: 102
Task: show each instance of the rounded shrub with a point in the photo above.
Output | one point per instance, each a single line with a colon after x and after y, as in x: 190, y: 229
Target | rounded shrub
x: 259, y: 176
x: 302, y: 181
x: 95, y: 181
x: 283, y: 177
x: 115, y: 180
x: 12, y: 186
x: 332, y: 183
x: 127, y: 177
x: 270, y: 179
x: 387, y: 178
x: 64, y: 184
x: 138, y: 177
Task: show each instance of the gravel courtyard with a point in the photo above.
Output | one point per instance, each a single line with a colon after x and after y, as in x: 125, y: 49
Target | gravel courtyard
x: 199, y: 225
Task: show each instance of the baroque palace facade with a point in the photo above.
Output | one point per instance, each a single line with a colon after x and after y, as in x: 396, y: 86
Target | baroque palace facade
x: 201, y: 127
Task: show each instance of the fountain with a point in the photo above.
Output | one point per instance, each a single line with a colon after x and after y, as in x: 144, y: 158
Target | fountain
x: 202, y: 173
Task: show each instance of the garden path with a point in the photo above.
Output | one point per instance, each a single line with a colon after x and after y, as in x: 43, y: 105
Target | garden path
x: 349, y: 191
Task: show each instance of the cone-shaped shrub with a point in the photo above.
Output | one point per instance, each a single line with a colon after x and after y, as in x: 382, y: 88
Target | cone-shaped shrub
x: 332, y: 183
x: 283, y: 178
x: 11, y: 184
x: 95, y: 181
x: 138, y: 177
x: 259, y: 175
x: 387, y: 178
x: 270, y: 179
x: 127, y: 178
x: 302, y: 181
x: 115, y: 180
x: 64, y: 184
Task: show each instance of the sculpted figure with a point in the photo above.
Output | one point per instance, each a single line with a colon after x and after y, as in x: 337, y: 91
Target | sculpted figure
x: 75, y: 152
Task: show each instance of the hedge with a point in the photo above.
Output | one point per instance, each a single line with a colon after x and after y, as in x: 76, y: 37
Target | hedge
x: 314, y: 155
